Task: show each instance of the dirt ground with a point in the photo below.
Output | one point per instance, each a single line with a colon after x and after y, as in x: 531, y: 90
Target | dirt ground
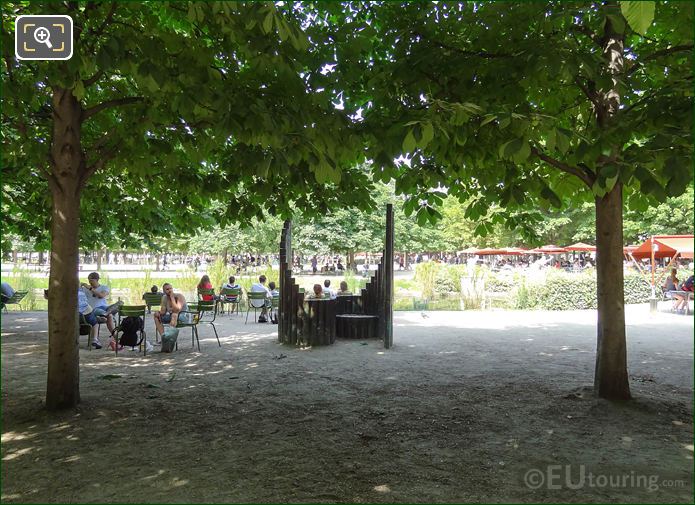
x: 468, y: 406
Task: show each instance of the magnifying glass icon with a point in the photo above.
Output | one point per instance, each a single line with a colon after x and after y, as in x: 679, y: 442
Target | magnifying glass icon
x: 43, y: 36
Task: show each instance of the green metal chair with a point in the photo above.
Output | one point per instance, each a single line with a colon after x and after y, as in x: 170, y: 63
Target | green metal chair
x: 152, y: 300
x: 274, y: 305
x: 209, y: 310
x: 132, y: 311
x: 250, y: 298
x: 15, y: 299
x: 193, y: 318
x: 230, y: 296
x: 205, y: 292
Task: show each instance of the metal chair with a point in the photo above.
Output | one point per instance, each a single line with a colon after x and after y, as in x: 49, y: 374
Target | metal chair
x: 192, y: 320
x: 251, y: 296
x: 231, y: 296
x: 132, y: 311
x: 152, y: 299
x: 15, y: 299
x: 206, y: 308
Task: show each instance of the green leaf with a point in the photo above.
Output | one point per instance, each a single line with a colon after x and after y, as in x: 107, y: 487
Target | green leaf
x: 550, y: 195
x: 562, y: 142
x: 598, y: 189
x: 409, y: 143
x: 639, y: 15
x: 523, y: 153
x: 511, y: 148
x: 427, y: 135
x: 78, y: 90
x: 268, y: 22
x: 550, y: 140
x: 488, y: 119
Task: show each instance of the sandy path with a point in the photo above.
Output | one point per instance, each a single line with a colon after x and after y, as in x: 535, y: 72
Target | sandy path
x: 461, y: 409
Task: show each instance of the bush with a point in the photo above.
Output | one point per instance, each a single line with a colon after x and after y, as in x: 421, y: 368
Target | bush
x: 444, y: 283
x: 565, y: 291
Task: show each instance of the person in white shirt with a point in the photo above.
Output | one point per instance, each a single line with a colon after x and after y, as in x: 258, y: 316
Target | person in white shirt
x: 86, y: 311
x: 96, y: 297
x: 328, y: 292
x: 260, y: 287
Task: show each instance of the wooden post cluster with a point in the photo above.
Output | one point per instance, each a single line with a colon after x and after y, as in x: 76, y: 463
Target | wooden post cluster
x: 317, y: 322
x: 291, y: 306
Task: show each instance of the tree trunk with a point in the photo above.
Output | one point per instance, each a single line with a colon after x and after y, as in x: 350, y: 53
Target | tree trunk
x: 158, y: 258
x: 14, y: 257
x: 611, y: 378
x: 41, y: 258
x: 100, y: 254
x: 67, y: 169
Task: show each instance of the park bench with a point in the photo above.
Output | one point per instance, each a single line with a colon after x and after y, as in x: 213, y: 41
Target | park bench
x: 15, y: 299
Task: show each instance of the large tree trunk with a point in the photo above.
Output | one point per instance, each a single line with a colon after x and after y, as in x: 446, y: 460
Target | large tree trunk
x: 100, y: 255
x: 67, y: 168
x: 611, y: 378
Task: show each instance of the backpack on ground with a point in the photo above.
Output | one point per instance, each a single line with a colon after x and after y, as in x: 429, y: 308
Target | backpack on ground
x: 130, y: 326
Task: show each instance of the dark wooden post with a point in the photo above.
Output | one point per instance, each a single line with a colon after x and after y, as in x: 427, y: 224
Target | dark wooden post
x: 388, y: 278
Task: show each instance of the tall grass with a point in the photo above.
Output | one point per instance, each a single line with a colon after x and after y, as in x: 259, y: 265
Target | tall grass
x: 218, y: 273
x: 426, y: 277
x: 135, y: 287
x: 188, y: 282
x: 472, y: 286
x: 23, y: 281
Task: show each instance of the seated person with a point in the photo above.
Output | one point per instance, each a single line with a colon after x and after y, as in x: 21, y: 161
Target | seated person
x: 232, y: 284
x: 317, y: 293
x: 170, y: 312
x: 327, y: 291
x: 681, y: 305
x: 264, y: 305
x: 670, y: 288
x: 344, y: 289
x: 7, y: 292
x: 273, y: 290
x: 340, y: 266
x: 205, y: 284
x: 87, y: 313
x: 154, y: 290
x: 96, y: 297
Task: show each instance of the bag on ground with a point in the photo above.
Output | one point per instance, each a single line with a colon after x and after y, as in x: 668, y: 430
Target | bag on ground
x: 169, y: 339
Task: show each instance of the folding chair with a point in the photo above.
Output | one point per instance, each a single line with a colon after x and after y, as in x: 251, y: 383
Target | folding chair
x: 15, y: 299
x: 208, y: 308
x: 152, y: 300
x: 132, y: 311
x: 259, y: 297
x: 274, y: 305
x: 192, y: 320
x: 231, y: 296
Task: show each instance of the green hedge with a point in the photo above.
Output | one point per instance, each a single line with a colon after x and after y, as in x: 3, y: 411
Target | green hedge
x: 570, y: 291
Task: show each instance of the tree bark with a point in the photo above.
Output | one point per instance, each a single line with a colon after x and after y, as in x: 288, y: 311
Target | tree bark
x: 611, y: 377
x: 67, y: 168
x: 100, y: 254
